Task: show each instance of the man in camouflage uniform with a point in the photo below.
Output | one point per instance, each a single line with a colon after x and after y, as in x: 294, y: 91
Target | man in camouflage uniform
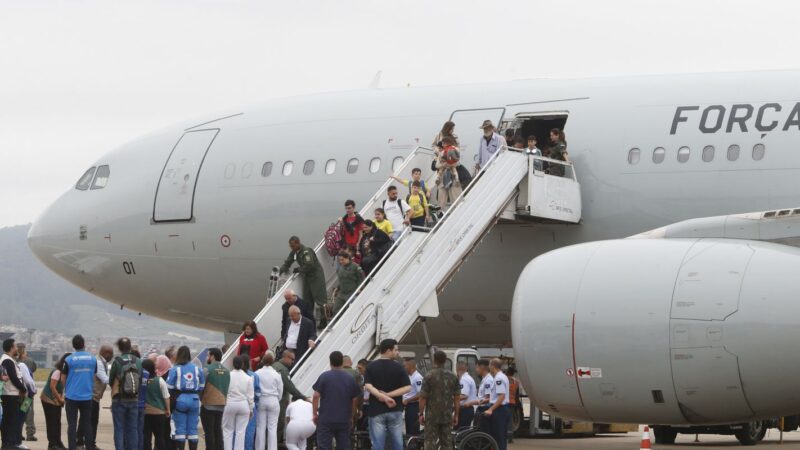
x: 313, y: 276
x: 439, y: 404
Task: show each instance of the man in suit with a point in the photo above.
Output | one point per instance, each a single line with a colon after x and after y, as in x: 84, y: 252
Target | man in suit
x: 300, y: 333
x: 292, y: 299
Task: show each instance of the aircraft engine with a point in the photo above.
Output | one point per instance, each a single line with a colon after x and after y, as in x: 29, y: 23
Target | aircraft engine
x: 661, y: 331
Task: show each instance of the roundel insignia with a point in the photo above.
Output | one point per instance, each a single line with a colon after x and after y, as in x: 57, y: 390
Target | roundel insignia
x: 419, y: 383
x: 225, y: 240
x: 461, y: 385
x: 189, y: 376
x: 498, y: 382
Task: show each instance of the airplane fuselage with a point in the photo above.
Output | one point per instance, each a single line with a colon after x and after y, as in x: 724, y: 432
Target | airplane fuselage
x: 211, y: 270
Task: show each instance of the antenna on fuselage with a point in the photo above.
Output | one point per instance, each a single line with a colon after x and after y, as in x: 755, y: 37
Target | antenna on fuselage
x: 375, y: 80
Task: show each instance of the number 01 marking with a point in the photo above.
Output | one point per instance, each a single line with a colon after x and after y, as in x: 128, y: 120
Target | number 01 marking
x: 128, y: 267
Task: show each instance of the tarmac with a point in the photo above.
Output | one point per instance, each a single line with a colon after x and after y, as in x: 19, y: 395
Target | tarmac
x: 105, y: 438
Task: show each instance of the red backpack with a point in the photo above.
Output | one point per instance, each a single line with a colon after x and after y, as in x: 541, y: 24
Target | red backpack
x: 334, y: 238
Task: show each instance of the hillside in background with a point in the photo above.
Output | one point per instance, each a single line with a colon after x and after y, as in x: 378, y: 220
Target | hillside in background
x: 33, y: 297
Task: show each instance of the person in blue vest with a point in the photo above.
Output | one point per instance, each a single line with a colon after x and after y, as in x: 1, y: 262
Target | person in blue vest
x: 77, y: 376
x: 185, y: 382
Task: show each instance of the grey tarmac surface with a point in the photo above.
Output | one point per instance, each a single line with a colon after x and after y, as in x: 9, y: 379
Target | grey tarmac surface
x: 105, y: 438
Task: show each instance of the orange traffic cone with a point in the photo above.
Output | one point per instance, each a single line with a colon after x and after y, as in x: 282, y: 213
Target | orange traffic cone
x: 645, y: 439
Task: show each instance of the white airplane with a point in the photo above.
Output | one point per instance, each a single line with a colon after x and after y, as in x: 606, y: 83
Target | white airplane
x: 186, y: 223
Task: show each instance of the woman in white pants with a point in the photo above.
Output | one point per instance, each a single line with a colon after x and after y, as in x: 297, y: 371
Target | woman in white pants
x: 239, y: 405
x: 269, y: 404
x: 299, y: 424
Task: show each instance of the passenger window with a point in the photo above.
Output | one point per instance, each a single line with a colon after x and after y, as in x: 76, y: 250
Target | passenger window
x: 330, y: 166
x: 288, y: 166
x: 396, y: 163
x: 708, y: 153
x: 374, y: 165
x: 758, y: 152
x: 308, y: 167
x: 85, y: 180
x: 101, y: 178
x: 266, y: 169
x: 633, y: 156
x: 352, y: 166
x: 683, y: 154
x: 733, y: 152
x: 658, y: 155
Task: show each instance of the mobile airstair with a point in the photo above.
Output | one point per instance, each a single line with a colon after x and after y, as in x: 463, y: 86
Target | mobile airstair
x: 403, y: 287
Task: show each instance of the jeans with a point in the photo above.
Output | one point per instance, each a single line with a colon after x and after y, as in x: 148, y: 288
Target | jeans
x: 327, y: 432
x: 126, y: 421
x: 73, y: 409
x: 95, y: 421
x: 140, y: 427
x: 387, y: 426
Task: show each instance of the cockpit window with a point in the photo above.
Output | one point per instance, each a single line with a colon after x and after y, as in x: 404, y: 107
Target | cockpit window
x: 85, y: 180
x: 101, y: 178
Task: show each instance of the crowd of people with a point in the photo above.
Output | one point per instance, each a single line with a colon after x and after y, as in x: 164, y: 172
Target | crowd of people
x: 159, y: 401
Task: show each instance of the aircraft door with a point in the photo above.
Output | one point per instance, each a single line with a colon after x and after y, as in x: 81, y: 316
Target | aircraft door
x: 468, y: 122
x: 175, y: 193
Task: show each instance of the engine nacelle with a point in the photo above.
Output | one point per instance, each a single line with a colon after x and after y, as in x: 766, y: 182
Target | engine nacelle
x: 661, y: 331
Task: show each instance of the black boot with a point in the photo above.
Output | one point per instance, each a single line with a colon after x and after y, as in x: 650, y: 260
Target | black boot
x: 180, y: 445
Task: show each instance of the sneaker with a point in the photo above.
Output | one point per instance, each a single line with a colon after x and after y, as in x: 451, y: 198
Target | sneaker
x: 22, y: 447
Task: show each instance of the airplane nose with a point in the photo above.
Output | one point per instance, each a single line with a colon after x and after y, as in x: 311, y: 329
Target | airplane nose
x: 55, y: 238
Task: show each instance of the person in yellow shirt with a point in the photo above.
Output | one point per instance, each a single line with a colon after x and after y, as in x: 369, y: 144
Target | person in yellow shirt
x: 419, y: 205
x: 416, y: 177
x: 381, y: 222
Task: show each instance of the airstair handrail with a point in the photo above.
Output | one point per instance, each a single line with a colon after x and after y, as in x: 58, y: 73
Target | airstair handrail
x: 329, y: 328
x: 559, y: 162
x: 419, y: 150
x: 447, y: 214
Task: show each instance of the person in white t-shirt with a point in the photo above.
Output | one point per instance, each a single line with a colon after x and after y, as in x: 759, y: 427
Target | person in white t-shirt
x: 299, y: 424
x: 397, y: 212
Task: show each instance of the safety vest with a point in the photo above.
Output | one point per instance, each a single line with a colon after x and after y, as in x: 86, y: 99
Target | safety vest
x: 47, y: 393
x: 217, y: 382
x: 155, y: 403
x: 513, y: 387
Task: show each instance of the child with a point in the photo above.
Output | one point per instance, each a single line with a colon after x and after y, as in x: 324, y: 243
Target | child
x: 449, y: 159
x: 381, y: 222
x: 419, y: 205
x: 416, y: 176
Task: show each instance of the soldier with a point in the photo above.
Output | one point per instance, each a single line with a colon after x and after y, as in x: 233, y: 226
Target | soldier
x: 484, y: 423
x: 469, y: 396
x: 499, y: 410
x: 350, y: 277
x: 439, y: 399
x: 313, y: 275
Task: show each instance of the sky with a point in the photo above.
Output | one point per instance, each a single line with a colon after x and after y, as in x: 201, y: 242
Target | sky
x: 79, y: 78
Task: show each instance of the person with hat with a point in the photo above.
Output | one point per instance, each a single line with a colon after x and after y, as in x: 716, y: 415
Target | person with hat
x: 490, y: 143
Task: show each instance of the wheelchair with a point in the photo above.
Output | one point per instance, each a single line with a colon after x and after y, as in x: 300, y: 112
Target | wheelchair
x: 466, y: 438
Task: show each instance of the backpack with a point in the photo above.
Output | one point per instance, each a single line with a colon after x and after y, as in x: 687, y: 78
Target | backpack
x: 333, y: 239
x: 399, y: 205
x: 130, y: 378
